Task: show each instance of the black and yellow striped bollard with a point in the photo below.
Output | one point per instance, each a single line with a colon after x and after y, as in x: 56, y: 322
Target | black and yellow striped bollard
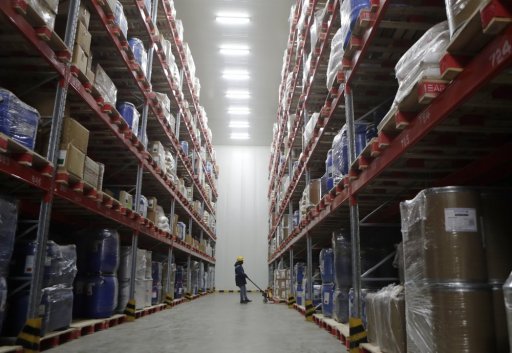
x: 310, y: 310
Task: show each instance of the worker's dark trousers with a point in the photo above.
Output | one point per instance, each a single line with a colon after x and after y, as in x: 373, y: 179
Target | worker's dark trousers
x: 243, y: 293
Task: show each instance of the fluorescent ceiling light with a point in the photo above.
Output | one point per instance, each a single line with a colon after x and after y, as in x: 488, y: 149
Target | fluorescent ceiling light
x: 232, y: 18
x: 238, y: 110
x: 235, y: 75
x: 239, y: 135
x: 234, y: 49
x: 237, y: 124
x: 238, y: 94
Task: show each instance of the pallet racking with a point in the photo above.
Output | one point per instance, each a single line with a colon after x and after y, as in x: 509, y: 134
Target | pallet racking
x: 452, y: 131
x: 38, y: 59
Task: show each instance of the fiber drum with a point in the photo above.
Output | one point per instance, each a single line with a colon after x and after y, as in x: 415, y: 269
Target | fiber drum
x: 445, y: 222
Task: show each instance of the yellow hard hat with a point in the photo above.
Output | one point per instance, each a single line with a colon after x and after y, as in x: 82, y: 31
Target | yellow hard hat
x: 240, y: 258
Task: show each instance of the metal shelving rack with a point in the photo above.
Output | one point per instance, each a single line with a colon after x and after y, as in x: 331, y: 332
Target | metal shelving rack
x: 453, y: 133
x: 56, y: 197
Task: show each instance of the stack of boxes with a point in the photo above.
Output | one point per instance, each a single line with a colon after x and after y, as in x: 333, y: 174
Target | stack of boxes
x: 143, y: 279
x: 73, y: 154
x: 82, y: 56
x: 282, y: 283
x: 310, y: 197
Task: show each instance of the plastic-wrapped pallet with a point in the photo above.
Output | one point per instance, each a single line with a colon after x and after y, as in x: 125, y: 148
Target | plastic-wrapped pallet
x: 104, y: 85
x: 18, y: 120
x: 342, y: 259
x: 422, y: 59
x: 335, y: 58
x: 140, y: 272
x: 120, y: 19
x: 386, y: 319
x: 448, y: 303
x: 8, y: 224
x: 317, y: 26
x: 327, y: 265
x: 458, y: 12
x: 190, y: 60
x: 341, y: 305
x: 305, y: 75
x: 310, y: 127
x: 339, y: 153
x: 179, y: 29
x: 46, y: 11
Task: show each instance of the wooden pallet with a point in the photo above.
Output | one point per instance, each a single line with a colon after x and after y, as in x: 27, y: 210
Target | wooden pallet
x: 423, y: 92
x: 369, y: 348
x: 11, y: 349
x: 341, y: 331
x: 149, y: 310
x: 87, y: 327
x: 58, y: 338
x: 24, y: 155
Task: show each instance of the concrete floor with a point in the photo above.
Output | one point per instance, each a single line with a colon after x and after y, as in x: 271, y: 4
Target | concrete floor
x: 214, y: 324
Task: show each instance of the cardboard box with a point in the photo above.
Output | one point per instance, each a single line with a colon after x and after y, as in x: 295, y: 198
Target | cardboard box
x: 100, y: 176
x: 152, y: 203
x: 104, y: 85
x: 175, y: 219
x: 188, y: 239
x: 72, y: 160
x: 79, y: 59
x: 126, y: 199
x: 90, y: 73
x: 91, y: 172
x: 152, y: 215
x: 315, y: 191
x: 83, y: 38
x: 73, y: 132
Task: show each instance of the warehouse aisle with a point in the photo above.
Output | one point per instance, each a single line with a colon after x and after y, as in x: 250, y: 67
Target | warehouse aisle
x: 216, y: 324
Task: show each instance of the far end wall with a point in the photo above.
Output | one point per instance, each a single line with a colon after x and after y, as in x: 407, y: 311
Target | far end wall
x: 242, y: 214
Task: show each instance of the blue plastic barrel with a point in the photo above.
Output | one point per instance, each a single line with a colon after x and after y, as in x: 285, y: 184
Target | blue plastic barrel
x: 16, y: 314
x: 327, y: 265
x: 328, y: 164
x: 184, y: 147
x: 299, y: 272
x: 100, y: 296
x: 371, y: 132
x: 327, y: 299
x: 330, y: 183
x: 137, y: 48
x: 98, y: 252
x: 344, y: 156
x: 355, y: 8
x: 130, y: 114
x: 360, y: 137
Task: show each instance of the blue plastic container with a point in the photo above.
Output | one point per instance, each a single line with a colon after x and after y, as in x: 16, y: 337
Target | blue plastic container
x: 342, y: 260
x: 18, y: 120
x: 98, y: 252
x: 137, y: 48
x: 344, y: 157
x: 330, y: 183
x: 352, y: 308
x: 328, y: 164
x: 371, y: 132
x: 317, y: 294
x: 184, y: 147
x: 296, y: 217
x: 99, y: 296
x: 355, y: 8
x: 327, y: 265
x: 130, y: 114
x: 9, y: 217
x: 3, y: 300
x: 120, y: 18
x: 360, y: 137
x: 299, y: 270
x: 327, y: 299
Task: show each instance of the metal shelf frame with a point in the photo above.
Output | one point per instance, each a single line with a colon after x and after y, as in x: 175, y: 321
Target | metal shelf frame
x: 476, y: 72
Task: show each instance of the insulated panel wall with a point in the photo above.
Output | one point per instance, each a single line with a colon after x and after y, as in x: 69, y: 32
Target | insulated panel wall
x: 242, y: 217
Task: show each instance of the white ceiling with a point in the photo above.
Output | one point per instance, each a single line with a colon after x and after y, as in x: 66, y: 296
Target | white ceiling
x: 266, y: 36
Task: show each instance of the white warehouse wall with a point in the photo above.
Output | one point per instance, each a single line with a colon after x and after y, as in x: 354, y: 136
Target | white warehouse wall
x: 242, y: 214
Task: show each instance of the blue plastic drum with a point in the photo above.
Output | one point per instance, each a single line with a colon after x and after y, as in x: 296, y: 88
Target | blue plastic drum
x: 137, y: 48
x: 130, y: 114
x: 100, y: 296
x: 184, y: 147
x: 327, y: 299
x: 327, y: 265
x: 98, y: 252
